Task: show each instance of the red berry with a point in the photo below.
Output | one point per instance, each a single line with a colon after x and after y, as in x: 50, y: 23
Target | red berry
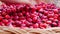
x: 26, y: 16
x: 55, y: 11
x: 5, y: 21
x: 7, y: 16
x: 1, y: 17
x: 49, y: 22
x: 3, y: 13
x: 54, y: 24
x: 35, y: 25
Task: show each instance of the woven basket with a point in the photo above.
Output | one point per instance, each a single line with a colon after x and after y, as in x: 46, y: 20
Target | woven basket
x: 13, y: 30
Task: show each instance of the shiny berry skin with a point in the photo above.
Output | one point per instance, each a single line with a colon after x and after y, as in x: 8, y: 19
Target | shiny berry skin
x: 1, y: 17
x: 35, y: 25
x: 7, y: 16
x: 26, y: 16
x: 5, y: 21
x: 55, y: 11
x: 49, y: 22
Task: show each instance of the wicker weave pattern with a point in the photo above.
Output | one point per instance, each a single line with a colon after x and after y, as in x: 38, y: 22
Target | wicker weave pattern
x: 11, y: 30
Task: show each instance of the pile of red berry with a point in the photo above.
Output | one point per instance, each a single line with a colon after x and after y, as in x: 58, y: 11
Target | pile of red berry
x: 22, y: 15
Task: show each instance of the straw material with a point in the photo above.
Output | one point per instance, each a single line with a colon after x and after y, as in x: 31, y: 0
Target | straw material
x: 14, y: 30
